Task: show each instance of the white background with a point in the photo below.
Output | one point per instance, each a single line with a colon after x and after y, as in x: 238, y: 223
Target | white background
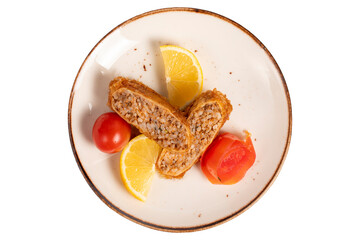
x: 43, y: 194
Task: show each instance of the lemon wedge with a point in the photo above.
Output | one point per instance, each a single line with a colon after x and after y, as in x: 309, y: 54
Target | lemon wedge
x: 137, y: 165
x: 184, y: 77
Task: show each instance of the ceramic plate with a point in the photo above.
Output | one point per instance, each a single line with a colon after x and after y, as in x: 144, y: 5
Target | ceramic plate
x: 235, y: 62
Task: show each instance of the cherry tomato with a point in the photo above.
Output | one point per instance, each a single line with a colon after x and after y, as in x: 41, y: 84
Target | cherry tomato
x: 227, y: 159
x: 111, y: 133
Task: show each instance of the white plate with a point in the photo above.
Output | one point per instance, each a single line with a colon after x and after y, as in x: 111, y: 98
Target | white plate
x: 235, y: 62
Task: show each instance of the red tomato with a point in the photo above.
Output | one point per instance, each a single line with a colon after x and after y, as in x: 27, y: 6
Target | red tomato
x: 227, y: 159
x: 111, y: 133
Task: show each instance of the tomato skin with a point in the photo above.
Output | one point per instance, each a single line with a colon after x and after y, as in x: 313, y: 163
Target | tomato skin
x: 227, y: 159
x: 111, y: 133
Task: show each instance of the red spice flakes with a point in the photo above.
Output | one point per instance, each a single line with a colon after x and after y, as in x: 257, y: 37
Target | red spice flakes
x: 255, y: 139
x: 227, y: 195
x: 144, y: 68
x: 150, y: 64
x: 199, y: 215
x: 195, y: 51
x: 230, y: 72
x: 135, y: 49
x: 239, y: 104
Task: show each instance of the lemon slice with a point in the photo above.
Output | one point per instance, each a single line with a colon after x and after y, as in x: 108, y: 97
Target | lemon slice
x: 137, y: 165
x: 184, y: 77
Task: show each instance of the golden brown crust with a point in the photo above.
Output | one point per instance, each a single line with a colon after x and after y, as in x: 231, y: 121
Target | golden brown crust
x: 138, y: 87
x: 212, y: 96
x: 172, y: 164
x: 147, y: 111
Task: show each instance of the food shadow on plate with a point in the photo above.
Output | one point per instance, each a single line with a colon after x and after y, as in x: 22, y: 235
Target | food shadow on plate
x: 158, y: 64
x: 97, y: 105
x: 114, y: 165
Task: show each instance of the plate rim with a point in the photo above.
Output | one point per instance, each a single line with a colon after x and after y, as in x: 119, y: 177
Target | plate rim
x: 219, y: 221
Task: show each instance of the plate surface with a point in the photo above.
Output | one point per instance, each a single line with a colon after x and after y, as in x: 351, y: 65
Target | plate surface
x: 233, y: 61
